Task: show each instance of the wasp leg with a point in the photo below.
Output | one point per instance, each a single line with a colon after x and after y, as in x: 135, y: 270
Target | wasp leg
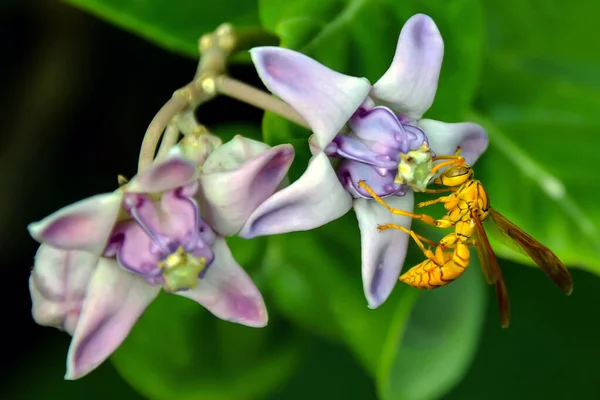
x: 416, y: 237
x: 454, y: 160
x: 445, y: 190
x: 412, y: 233
x: 425, y: 218
x: 442, y: 199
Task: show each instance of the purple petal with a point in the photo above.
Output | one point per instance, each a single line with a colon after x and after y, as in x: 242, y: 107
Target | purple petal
x: 85, y: 225
x: 172, y: 172
x: 229, y: 197
x: 228, y: 292
x: 381, y: 130
x: 350, y: 147
x: 444, y: 138
x: 115, y: 300
x: 58, y: 284
x: 409, y: 85
x: 324, y: 98
x: 135, y: 242
x: 380, y: 180
x: 383, y: 253
x: 315, y: 199
x: 180, y: 214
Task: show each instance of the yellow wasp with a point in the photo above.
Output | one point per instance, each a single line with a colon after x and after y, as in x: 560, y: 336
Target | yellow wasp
x: 468, y: 207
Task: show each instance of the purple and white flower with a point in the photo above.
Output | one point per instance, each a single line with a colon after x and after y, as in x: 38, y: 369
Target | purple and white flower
x: 104, y: 259
x: 368, y: 127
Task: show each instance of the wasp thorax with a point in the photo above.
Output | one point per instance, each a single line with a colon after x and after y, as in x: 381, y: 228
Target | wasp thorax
x: 181, y: 270
x: 415, y: 168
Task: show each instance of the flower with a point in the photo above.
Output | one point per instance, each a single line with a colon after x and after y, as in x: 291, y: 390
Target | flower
x: 104, y: 259
x: 369, y: 128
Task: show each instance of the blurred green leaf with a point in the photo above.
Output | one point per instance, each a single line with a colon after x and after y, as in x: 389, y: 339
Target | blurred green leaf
x: 321, y: 290
x: 227, y: 131
x: 178, y: 350
x: 551, y: 349
x: 541, y: 99
x: 429, y: 353
x: 175, y: 25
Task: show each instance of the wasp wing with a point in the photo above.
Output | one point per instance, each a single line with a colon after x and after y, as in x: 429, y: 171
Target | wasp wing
x: 491, y: 269
x: 540, y: 254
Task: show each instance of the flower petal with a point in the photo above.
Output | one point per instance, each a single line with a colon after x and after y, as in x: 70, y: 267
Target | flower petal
x: 383, y: 253
x: 115, y: 299
x: 324, y: 98
x: 57, y: 284
x: 85, y: 225
x: 169, y: 173
x: 444, y: 138
x: 381, y: 130
x: 180, y: 213
x: 228, y: 292
x: 315, y: 199
x: 233, y: 154
x: 409, y: 85
x: 227, y: 198
x: 378, y: 179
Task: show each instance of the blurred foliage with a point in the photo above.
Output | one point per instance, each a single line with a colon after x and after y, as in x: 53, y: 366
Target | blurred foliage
x: 539, y: 91
x: 523, y: 69
x: 178, y: 350
x: 177, y: 24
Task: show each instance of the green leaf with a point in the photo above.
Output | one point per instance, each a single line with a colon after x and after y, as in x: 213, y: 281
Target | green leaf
x: 429, y: 353
x: 227, y: 131
x: 178, y: 350
x: 539, y: 100
x: 549, y: 352
x: 321, y: 290
x: 175, y: 25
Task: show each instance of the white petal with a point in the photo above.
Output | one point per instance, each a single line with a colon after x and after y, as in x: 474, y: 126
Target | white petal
x: 57, y: 284
x: 233, y: 154
x: 444, y: 138
x: 85, y: 225
x: 228, y: 292
x: 383, y: 253
x: 115, y: 299
x: 315, y: 199
x: 324, y: 98
x: 227, y: 198
x: 409, y: 85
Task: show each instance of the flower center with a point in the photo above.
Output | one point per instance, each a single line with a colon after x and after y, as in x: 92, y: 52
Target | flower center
x: 415, y: 168
x: 167, y: 242
x: 386, y: 151
x: 181, y: 270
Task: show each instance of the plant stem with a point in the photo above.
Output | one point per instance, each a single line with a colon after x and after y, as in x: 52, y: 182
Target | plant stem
x: 249, y: 94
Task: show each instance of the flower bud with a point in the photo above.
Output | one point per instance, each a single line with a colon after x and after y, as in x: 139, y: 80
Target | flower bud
x: 58, y: 284
x: 197, y: 146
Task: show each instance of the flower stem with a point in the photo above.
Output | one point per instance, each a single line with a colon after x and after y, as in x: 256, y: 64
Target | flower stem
x: 256, y: 97
x: 209, y: 81
x: 214, y: 50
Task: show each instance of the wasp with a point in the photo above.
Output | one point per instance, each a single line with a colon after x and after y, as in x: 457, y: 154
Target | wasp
x: 468, y: 207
